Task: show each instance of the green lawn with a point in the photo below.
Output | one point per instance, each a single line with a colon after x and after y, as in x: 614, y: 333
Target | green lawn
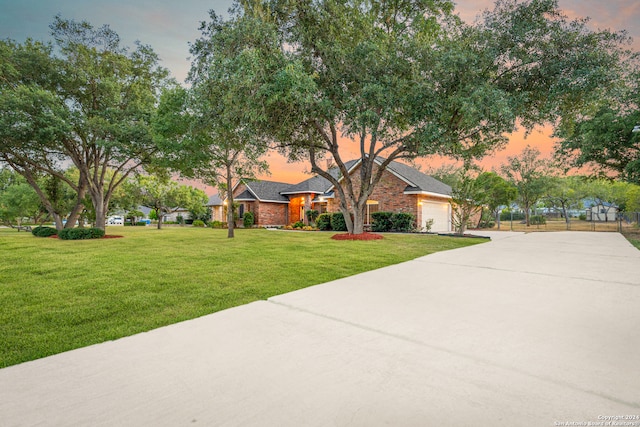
x: 59, y: 295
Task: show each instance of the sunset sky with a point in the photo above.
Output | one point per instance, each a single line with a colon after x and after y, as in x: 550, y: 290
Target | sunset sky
x: 168, y: 26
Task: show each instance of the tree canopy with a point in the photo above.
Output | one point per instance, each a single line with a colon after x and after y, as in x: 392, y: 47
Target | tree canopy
x: 394, y: 80
x: 85, y: 101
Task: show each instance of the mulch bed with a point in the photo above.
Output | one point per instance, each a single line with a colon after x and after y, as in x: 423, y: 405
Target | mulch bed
x: 109, y: 236
x: 363, y: 236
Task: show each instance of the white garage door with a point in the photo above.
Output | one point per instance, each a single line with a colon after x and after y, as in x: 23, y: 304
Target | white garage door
x: 440, y: 213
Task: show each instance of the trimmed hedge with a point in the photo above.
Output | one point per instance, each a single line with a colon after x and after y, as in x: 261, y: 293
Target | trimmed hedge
x: 323, y: 222
x: 381, y: 221
x: 392, y: 221
x: 402, y: 221
x: 198, y: 223
x: 80, y: 233
x: 44, y: 231
x: 337, y: 222
x: 247, y: 220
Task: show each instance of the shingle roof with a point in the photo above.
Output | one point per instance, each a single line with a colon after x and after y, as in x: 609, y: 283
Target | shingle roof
x: 214, y: 200
x: 268, y: 190
x: 418, y: 180
x: 317, y: 184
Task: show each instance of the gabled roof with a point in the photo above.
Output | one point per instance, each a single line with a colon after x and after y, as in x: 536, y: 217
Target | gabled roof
x: 317, y: 184
x: 417, y: 182
x: 266, y: 191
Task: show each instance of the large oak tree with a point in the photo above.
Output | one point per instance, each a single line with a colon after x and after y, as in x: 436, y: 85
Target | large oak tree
x: 406, y: 79
x: 86, y: 101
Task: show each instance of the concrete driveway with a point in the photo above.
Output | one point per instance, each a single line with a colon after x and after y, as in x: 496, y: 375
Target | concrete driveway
x: 539, y: 329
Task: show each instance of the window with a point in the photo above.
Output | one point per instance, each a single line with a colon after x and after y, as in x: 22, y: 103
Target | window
x: 372, y: 206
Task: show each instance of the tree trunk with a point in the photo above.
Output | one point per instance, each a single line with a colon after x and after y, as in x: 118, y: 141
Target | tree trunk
x: 230, y: 221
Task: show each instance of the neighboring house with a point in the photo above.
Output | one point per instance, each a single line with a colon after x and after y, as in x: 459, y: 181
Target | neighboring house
x: 601, y: 211
x: 401, y: 189
x: 217, y: 208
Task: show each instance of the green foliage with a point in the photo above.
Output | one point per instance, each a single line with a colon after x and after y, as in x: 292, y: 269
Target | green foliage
x: 218, y: 224
x: 538, y: 220
x: 406, y: 78
x: 381, y: 221
x: 298, y: 224
x: 247, y: 219
x: 337, y: 222
x: 582, y: 217
x: 402, y: 222
x: 141, y: 224
x: 198, y: 223
x: 80, y: 233
x: 506, y: 215
x: 312, y: 215
x: 85, y: 100
x: 487, y: 220
x: 324, y: 221
x: 44, y: 231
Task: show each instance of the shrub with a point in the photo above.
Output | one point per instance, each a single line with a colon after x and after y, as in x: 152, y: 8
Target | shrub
x: 247, y: 219
x: 198, y: 223
x: 298, y: 224
x: 381, y: 221
x: 312, y: 215
x: 80, y: 233
x: 537, y: 220
x: 337, y: 222
x: 44, y: 231
x: 428, y: 224
x: 582, y: 217
x: 402, y: 221
x: 218, y: 224
x: 141, y: 223
x: 323, y: 221
x: 505, y: 215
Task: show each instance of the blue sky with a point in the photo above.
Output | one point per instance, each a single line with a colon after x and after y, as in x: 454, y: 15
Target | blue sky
x: 168, y: 26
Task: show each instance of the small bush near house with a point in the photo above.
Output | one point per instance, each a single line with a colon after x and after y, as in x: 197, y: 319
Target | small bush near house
x: 402, y: 221
x: 247, y: 219
x: 80, y: 233
x: 198, y: 223
x: 537, y: 220
x: 44, y: 231
x: 428, y: 224
x: 381, y: 221
x: 323, y: 221
x: 582, y: 217
x: 298, y: 224
x: 141, y: 224
x: 218, y: 224
x: 312, y: 215
x: 337, y: 222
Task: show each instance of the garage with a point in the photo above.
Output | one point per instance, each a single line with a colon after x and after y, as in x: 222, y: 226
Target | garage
x: 440, y: 213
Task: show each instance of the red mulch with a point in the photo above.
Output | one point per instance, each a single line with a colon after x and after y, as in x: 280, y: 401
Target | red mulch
x: 363, y: 236
x: 106, y: 236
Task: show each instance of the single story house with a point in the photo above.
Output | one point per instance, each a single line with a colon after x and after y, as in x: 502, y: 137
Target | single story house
x: 402, y: 188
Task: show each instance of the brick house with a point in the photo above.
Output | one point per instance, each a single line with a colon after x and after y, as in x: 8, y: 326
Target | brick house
x: 401, y: 189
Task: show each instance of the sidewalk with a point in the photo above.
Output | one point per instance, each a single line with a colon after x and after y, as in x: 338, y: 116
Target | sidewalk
x: 526, y: 330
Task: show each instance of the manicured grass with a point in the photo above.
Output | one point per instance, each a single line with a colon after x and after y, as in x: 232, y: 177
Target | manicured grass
x: 59, y: 295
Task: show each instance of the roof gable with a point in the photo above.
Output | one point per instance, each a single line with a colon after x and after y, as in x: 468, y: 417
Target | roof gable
x: 268, y: 191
